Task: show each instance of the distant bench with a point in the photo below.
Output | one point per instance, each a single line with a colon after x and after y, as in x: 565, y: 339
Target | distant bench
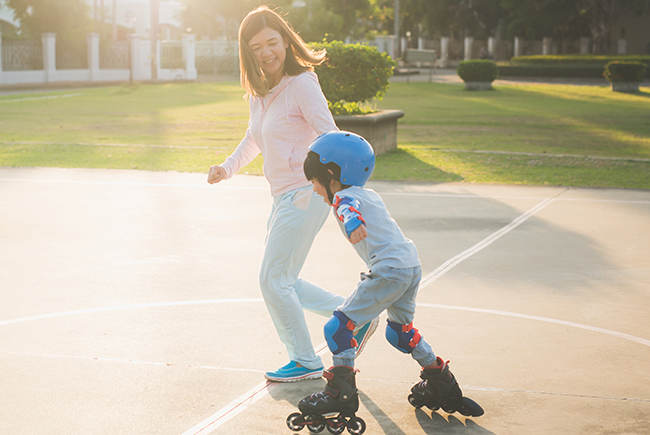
x: 418, y: 57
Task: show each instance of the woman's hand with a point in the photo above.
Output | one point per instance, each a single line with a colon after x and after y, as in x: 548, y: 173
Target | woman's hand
x: 216, y: 174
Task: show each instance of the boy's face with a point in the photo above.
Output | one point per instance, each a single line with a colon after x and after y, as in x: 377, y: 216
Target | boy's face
x: 320, y: 189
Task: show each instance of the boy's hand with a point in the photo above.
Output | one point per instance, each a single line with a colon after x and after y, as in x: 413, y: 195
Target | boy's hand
x: 358, y: 235
x: 216, y: 174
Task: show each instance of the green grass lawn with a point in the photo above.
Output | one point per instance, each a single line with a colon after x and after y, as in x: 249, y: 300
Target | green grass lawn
x: 519, y: 134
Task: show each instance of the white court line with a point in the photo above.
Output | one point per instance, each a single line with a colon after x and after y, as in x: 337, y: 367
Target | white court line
x: 453, y: 262
x: 230, y: 186
x: 239, y: 405
x: 617, y: 334
x: 261, y: 390
x: 131, y: 361
x: 126, y: 307
x: 45, y: 97
x: 135, y: 183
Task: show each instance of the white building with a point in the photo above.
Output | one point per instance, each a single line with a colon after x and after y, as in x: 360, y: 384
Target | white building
x: 136, y: 14
x: 132, y: 14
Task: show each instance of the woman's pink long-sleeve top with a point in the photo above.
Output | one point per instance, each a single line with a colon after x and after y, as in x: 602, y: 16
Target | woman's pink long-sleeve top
x: 281, y: 126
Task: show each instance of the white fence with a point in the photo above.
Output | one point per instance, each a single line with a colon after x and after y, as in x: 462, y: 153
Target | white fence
x: 37, y: 61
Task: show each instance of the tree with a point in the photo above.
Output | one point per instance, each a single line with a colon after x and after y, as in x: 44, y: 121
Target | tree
x: 66, y: 18
x: 602, y: 14
x: 214, y: 19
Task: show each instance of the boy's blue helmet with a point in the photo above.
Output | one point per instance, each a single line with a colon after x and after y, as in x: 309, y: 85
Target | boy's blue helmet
x: 350, y: 151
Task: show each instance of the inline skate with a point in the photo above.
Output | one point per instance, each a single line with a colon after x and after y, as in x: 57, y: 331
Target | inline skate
x: 439, y: 389
x: 334, y: 408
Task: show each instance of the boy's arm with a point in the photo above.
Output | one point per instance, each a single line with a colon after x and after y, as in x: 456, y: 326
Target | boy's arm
x: 347, y: 211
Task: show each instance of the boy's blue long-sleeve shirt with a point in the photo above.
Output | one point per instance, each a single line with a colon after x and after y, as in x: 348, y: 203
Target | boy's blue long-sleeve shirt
x: 385, y: 245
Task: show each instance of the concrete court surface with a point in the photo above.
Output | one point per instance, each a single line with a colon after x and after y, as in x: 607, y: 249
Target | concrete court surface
x: 130, y: 305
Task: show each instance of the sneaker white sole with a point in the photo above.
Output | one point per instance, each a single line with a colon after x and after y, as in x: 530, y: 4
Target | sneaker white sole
x: 306, y: 376
x: 374, y: 323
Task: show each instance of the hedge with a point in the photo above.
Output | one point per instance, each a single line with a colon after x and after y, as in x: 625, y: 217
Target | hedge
x: 477, y: 70
x: 352, y: 75
x: 620, y: 71
x: 567, y: 65
x: 577, y: 59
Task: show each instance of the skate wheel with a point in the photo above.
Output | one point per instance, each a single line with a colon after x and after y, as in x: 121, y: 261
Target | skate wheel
x: 336, y: 429
x: 469, y: 408
x: 316, y: 427
x: 356, y: 426
x: 291, y: 421
x: 413, y: 401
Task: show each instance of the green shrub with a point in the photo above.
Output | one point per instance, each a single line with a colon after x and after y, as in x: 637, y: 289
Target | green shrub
x: 559, y: 70
x: 618, y: 71
x: 576, y: 59
x: 353, y: 73
x: 478, y: 70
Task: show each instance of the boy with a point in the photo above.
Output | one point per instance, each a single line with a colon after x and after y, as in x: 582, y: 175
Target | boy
x: 338, y: 165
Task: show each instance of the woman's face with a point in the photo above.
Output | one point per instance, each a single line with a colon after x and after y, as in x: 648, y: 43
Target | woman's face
x: 269, y: 49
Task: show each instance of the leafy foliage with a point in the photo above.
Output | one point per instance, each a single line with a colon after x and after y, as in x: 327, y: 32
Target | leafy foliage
x: 66, y: 18
x: 353, y: 73
x: 478, y: 70
x: 214, y: 19
x: 618, y: 71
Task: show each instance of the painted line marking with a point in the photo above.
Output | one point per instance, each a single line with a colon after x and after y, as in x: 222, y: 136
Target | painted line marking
x: 239, y: 405
x: 135, y: 183
x: 515, y: 153
x: 131, y: 361
x: 624, y: 336
x: 45, y: 97
x: 126, y: 307
x: 454, y: 261
x: 124, y: 145
x: 229, y: 186
x: 261, y: 390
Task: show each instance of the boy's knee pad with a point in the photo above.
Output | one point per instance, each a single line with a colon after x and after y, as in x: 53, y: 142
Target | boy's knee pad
x: 403, y: 337
x: 338, y: 333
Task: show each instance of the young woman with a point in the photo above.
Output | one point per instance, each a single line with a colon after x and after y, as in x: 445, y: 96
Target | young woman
x: 287, y: 111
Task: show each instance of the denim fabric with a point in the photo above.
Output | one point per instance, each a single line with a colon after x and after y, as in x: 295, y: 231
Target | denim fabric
x: 295, y: 219
x: 390, y: 289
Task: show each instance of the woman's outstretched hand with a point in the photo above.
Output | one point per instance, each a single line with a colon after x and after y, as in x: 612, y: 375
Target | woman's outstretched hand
x: 216, y: 174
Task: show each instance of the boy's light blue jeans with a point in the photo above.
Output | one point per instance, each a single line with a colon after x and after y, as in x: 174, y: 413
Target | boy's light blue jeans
x: 391, y: 289
x: 295, y: 219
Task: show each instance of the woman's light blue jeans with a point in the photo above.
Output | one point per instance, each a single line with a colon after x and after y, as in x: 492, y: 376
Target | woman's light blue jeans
x: 295, y: 219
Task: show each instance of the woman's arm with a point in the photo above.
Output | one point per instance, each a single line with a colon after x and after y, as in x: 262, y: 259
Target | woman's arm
x: 312, y: 103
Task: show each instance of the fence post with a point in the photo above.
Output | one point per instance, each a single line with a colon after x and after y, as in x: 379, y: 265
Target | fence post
x: 189, y: 56
x: 492, y: 41
x: 468, y: 47
x: 519, y: 46
x: 547, y: 46
x: 49, y: 56
x: 444, y: 51
x: 92, y: 41
x: 0, y: 54
x: 390, y: 49
x: 134, y: 40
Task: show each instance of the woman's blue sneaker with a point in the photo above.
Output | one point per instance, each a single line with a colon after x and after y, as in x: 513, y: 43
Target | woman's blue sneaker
x: 292, y: 373
x: 364, y: 333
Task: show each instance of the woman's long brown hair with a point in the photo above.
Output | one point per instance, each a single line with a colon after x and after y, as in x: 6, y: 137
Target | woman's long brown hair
x: 299, y: 58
